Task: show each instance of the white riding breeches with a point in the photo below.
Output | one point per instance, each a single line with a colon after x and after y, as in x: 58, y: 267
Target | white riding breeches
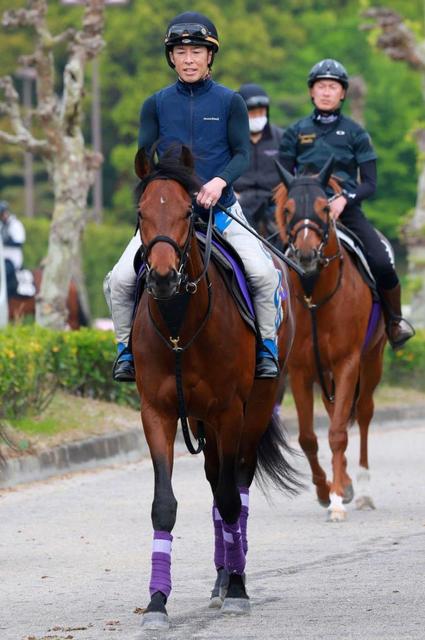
x: 263, y: 278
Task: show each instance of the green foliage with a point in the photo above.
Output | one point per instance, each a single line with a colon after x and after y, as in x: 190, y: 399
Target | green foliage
x: 274, y: 43
x: 34, y: 362
x: 406, y: 367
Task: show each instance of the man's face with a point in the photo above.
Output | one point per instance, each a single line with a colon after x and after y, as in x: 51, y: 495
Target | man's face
x: 191, y: 61
x: 327, y: 94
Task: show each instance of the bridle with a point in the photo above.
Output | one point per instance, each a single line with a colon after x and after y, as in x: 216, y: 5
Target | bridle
x: 302, y: 221
x: 183, y: 281
x: 310, y: 220
x: 173, y: 311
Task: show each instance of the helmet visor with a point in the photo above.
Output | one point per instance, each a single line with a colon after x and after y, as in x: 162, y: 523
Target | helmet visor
x: 178, y: 33
x: 257, y: 101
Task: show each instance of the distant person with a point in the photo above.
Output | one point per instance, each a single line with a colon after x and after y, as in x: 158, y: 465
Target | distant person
x: 13, y: 236
x: 254, y: 187
x: 308, y: 144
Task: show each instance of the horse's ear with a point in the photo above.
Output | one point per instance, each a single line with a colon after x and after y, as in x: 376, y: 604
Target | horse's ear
x: 286, y: 177
x: 141, y: 163
x: 326, y: 172
x: 186, y: 157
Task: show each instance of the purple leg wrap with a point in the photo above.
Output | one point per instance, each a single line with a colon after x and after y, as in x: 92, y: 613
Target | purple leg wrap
x: 244, y: 491
x: 161, y: 563
x: 218, y: 538
x: 235, y: 557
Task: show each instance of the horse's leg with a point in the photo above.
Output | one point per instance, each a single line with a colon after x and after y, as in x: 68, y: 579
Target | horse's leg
x: 160, y: 431
x: 346, y: 377
x: 371, y: 372
x: 228, y: 501
x: 302, y: 390
x: 219, y: 589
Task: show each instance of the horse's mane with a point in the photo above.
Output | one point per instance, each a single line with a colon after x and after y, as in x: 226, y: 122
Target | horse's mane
x: 280, y: 197
x: 176, y: 163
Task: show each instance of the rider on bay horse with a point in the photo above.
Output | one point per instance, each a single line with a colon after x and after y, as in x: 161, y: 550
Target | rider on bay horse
x: 13, y: 236
x: 307, y: 145
x: 212, y: 120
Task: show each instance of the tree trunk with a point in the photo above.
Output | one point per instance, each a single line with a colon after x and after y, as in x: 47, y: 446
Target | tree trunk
x: 71, y: 185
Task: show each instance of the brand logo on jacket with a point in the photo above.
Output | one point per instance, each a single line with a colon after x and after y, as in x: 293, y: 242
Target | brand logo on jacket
x: 211, y: 118
x: 306, y: 138
x: 340, y: 133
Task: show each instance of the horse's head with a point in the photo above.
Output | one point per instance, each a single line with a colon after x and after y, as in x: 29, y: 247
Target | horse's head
x: 165, y: 216
x: 302, y: 215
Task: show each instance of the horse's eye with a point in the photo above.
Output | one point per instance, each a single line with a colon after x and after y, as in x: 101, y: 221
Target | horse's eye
x: 326, y: 209
x: 188, y: 213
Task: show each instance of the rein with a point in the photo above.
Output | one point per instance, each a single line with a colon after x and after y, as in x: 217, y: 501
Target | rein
x: 322, y: 229
x: 175, y: 320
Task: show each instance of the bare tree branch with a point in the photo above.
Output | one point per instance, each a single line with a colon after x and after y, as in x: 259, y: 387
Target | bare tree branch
x: 22, y: 136
x: 396, y: 39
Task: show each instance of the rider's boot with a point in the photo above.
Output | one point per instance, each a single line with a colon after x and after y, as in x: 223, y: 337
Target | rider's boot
x: 123, y: 368
x: 399, y: 330
x: 266, y: 363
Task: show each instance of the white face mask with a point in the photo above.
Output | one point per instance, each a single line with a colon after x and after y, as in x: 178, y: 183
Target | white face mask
x: 257, y: 124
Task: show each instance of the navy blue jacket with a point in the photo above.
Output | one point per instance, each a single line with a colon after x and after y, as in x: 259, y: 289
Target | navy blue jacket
x: 210, y: 119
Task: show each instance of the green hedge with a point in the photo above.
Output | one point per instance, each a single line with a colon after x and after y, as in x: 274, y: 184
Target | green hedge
x: 406, y: 367
x: 102, y: 246
x: 34, y: 362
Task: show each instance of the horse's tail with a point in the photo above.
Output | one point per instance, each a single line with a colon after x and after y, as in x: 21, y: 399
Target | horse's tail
x: 272, y: 463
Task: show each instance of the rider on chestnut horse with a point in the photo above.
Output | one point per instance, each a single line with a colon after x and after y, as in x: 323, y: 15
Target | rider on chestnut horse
x: 307, y: 145
x: 212, y: 121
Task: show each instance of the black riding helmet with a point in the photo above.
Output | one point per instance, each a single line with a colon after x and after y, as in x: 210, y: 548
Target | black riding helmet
x: 254, y: 96
x: 328, y: 69
x: 191, y: 28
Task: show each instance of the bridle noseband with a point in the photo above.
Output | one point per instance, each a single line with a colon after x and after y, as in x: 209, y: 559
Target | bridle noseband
x: 182, y: 252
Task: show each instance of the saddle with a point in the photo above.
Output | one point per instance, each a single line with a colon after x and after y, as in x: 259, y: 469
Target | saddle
x: 355, y: 248
x: 230, y: 267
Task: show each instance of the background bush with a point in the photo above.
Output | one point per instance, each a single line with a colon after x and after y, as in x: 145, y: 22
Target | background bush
x: 34, y: 362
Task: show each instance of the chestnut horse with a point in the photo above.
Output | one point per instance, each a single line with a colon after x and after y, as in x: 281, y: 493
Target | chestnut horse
x: 204, y: 370
x: 20, y: 306
x: 339, y: 338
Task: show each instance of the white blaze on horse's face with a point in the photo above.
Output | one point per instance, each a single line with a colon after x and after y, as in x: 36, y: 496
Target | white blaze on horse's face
x: 162, y: 200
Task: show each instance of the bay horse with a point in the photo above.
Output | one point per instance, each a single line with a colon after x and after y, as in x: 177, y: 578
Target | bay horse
x: 204, y: 370
x: 339, y: 339
x: 21, y: 306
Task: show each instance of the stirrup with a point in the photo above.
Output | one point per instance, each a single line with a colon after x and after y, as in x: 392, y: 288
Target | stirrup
x: 266, y: 367
x: 403, y: 332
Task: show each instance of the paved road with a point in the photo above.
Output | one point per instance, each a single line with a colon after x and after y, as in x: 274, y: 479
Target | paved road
x: 75, y: 556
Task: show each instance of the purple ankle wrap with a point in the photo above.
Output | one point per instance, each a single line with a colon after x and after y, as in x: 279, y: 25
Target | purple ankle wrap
x: 218, y: 538
x: 161, y: 563
x: 244, y: 491
x: 235, y: 557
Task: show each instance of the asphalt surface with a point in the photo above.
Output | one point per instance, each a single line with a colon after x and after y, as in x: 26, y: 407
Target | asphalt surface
x: 75, y: 555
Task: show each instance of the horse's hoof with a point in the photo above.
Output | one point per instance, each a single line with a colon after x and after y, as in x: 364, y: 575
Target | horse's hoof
x: 155, y: 620
x: 365, y: 503
x: 336, y: 515
x: 219, y: 590
x: 348, y: 494
x: 323, y: 503
x: 236, y: 606
x: 215, y: 602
